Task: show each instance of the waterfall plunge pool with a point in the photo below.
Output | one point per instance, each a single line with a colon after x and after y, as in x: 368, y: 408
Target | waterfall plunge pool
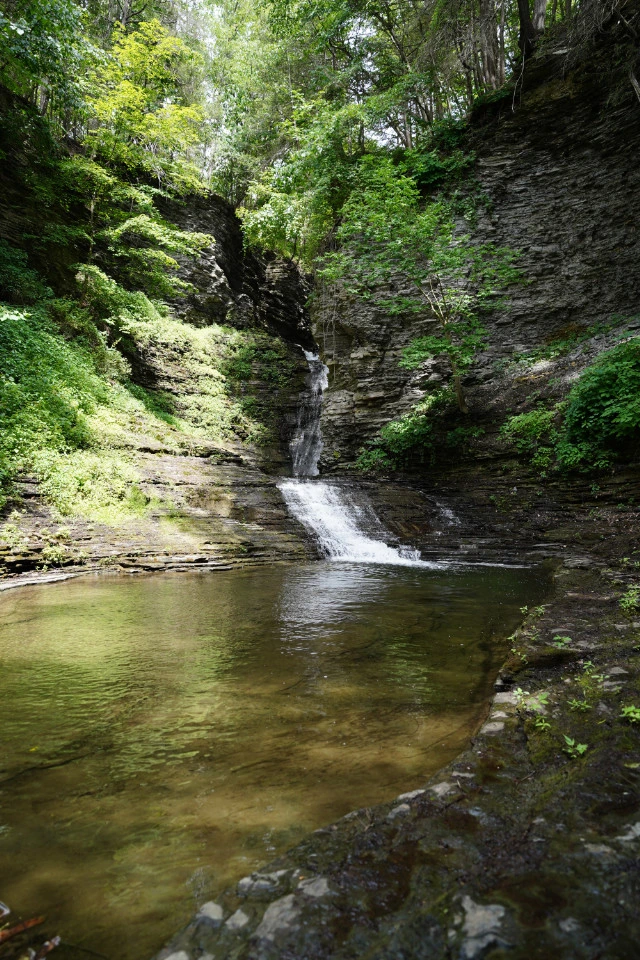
x: 164, y: 736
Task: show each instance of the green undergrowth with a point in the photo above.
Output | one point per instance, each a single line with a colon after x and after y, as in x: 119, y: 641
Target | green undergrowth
x: 427, y: 432
x: 71, y: 417
x: 597, y: 425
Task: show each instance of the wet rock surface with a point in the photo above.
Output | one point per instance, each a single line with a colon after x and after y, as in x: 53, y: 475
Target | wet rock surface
x: 221, y: 515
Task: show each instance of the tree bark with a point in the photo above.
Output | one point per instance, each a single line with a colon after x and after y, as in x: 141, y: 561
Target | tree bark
x: 539, y: 14
x: 527, y: 38
x: 489, y: 42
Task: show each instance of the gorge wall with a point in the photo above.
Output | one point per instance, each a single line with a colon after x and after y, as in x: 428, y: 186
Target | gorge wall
x: 219, y: 381
x: 558, y: 179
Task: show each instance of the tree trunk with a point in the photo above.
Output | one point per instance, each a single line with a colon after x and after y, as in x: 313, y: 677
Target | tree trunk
x: 527, y: 38
x: 489, y: 41
x: 457, y: 386
x: 539, y: 14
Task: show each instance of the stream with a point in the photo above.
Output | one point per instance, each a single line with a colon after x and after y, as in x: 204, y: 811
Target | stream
x: 164, y: 736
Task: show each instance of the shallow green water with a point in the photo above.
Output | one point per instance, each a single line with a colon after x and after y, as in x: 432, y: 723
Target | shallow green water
x: 162, y: 737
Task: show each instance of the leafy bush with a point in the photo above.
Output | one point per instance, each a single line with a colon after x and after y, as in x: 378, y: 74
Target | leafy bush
x: 18, y: 282
x: 630, y: 601
x: 602, y: 416
x: 408, y: 436
x: 533, y: 434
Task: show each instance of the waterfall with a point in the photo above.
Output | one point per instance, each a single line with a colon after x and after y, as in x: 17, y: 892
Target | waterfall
x: 341, y: 525
x: 306, y: 445
x: 337, y: 515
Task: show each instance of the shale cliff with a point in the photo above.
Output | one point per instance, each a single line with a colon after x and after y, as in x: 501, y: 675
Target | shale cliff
x: 556, y: 180
x: 180, y: 463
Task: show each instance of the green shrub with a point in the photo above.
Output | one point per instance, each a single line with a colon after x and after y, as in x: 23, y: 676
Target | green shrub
x: 602, y: 415
x: 408, y: 436
x: 18, y: 282
x: 533, y: 435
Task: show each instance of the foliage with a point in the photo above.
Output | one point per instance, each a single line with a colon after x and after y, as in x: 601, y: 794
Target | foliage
x: 581, y: 705
x: 602, y: 416
x: 574, y: 749
x: 404, y: 256
x: 533, y: 434
x: 42, y: 48
x: 138, y: 100
x: 47, y: 388
x: 409, y: 436
x: 18, y: 282
x: 630, y: 713
x: 561, y: 642
x: 630, y: 601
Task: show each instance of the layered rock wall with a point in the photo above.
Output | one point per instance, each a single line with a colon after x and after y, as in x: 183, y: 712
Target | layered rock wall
x: 557, y: 166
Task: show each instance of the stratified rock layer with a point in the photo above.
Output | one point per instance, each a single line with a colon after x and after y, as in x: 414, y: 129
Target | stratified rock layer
x: 558, y: 181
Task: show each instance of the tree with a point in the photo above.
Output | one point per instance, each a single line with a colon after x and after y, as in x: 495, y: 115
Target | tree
x: 141, y: 115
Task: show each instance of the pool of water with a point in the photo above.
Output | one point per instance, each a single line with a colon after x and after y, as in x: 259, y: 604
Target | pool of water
x: 164, y: 736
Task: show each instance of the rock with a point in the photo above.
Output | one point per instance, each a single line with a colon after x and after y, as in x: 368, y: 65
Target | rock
x: 632, y: 833
x: 314, y: 887
x: 211, y: 911
x: 599, y: 850
x: 259, y: 883
x: 442, y: 789
x: 506, y: 697
x: 411, y: 795
x: 237, y: 920
x: 492, y: 728
x: 481, y: 928
x: 279, y: 916
x: 400, y: 811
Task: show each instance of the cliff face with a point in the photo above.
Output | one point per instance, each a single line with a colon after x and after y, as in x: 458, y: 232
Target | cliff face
x: 557, y: 164
x: 219, y: 380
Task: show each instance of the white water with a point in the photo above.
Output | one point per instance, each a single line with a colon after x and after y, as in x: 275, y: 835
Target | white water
x: 338, y: 517
x: 329, y: 512
x: 306, y: 445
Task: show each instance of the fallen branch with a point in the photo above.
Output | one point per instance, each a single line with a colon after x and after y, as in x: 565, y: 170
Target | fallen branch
x: 19, y: 928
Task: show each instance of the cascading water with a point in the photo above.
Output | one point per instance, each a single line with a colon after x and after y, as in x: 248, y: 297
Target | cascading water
x: 338, y: 517
x: 306, y: 445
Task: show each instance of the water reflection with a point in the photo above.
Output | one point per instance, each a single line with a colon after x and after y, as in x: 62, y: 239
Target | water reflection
x: 163, y: 736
